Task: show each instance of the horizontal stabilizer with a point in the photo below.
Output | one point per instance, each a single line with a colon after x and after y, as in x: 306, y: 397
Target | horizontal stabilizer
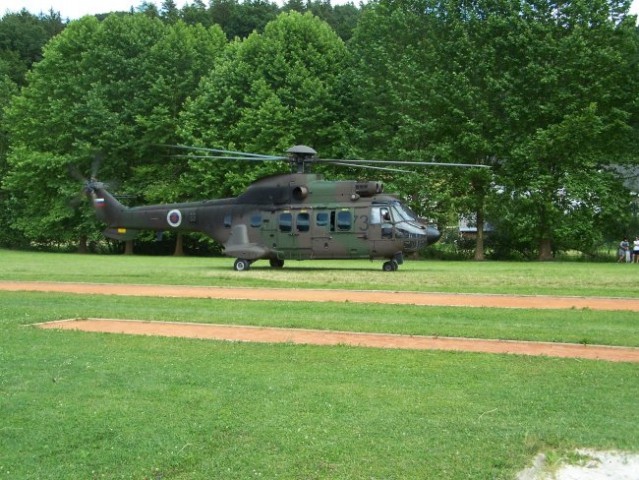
x: 121, y: 234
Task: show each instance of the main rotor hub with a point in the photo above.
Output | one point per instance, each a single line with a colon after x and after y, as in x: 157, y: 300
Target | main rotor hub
x: 299, y: 156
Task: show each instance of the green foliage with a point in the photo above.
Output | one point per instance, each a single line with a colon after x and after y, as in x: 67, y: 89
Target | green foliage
x: 8, y: 237
x: 7, y: 89
x: 570, y: 111
x: 113, y: 88
x: 543, y: 92
x: 268, y: 92
x: 22, y: 36
x: 39, y: 196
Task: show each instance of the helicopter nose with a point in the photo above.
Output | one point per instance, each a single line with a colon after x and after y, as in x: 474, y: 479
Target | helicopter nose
x: 417, y: 236
x: 432, y: 235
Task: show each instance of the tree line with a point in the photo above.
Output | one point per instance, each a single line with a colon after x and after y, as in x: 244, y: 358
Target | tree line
x: 545, y: 92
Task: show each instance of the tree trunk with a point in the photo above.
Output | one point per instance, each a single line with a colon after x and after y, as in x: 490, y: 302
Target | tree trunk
x: 479, y: 242
x: 545, y: 235
x: 82, y: 244
x: 545, y: 249
x: 179, y: 246
x: 128, y: 247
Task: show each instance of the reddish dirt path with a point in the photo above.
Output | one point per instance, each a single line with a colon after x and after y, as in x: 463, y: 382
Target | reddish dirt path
x: 259, y: 334
x: 315, y: 295
x: 323, y: 337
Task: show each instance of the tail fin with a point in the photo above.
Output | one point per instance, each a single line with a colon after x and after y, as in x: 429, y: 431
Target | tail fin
x: 107, y: 208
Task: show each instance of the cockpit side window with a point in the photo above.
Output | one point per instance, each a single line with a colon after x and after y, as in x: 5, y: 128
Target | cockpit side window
x: 380, y: 214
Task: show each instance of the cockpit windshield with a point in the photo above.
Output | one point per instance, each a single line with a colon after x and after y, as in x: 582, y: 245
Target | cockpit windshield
x: 402, y: 212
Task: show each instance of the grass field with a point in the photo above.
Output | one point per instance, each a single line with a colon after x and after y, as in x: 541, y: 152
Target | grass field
x: 561, y: 278
x: 79, y: 405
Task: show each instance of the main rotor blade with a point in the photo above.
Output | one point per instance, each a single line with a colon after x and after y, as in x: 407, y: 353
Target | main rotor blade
x: 236, y: 154
x: 403, y: 162
x: 369, y: 167
x: 227, y: 157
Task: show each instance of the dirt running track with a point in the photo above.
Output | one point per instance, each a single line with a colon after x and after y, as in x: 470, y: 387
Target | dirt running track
x: 260, y: 334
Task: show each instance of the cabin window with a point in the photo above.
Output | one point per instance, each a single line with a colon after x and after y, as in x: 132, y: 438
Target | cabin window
x: 256, y: 220
x: 228, y: 220
x: 303, y: 222
x: 321, y: 219
x: 286, y: 222
x: 344, y: 220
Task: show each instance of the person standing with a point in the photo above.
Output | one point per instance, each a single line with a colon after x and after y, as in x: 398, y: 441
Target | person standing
x: 635, y: 250
x: 624, y: 251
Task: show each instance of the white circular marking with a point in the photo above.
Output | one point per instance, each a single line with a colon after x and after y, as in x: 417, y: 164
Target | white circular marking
x: 174, y: 217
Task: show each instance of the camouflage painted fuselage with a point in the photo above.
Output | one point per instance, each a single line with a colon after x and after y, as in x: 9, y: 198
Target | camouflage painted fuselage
x: 298, y: 216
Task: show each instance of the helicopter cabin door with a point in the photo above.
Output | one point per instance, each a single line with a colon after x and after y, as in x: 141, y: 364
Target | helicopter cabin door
x: 381, y: 231
x: 291, y: 237
x: 336, y: 234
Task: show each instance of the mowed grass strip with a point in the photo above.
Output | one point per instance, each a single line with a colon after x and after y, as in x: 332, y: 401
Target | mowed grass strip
x: 533, y: 278
x: 568, y: 326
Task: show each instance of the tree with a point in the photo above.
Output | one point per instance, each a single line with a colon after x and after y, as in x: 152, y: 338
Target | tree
x: 418, y: 96
x: 267, y: 93
x: 115, y: 88
x: 253, y: 16
x: 148, y: 9
x: 195, y: 13
x: 344, y: 20
x: 540, y: 90
x: 22, y: 36
x: 568, y: 110
x: 298, y: 6
x: 7, y: 90
x: 224, y: 14
x: 169, y: 12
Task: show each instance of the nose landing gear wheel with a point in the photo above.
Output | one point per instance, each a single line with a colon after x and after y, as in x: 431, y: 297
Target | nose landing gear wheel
x: 241, y: 264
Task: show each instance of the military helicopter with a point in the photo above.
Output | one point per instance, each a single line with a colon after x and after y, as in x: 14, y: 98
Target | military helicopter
x: 295, y: 216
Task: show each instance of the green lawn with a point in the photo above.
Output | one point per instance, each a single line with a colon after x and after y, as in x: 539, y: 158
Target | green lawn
x: 82, y: 405
x: 561, y: 278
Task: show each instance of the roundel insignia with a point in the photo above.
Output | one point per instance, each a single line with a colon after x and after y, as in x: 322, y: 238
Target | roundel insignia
x: 174, y: 217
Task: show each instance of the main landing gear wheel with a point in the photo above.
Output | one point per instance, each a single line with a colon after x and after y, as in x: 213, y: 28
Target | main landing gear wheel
x: 241, y: 264
x: 390, y: 266
x: 276, y: 263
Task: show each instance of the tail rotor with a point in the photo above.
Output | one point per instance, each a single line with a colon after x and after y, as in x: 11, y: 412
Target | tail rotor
x: 90, y: 184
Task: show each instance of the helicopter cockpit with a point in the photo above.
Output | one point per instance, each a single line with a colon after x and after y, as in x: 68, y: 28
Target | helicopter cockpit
x: 400, y: 221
